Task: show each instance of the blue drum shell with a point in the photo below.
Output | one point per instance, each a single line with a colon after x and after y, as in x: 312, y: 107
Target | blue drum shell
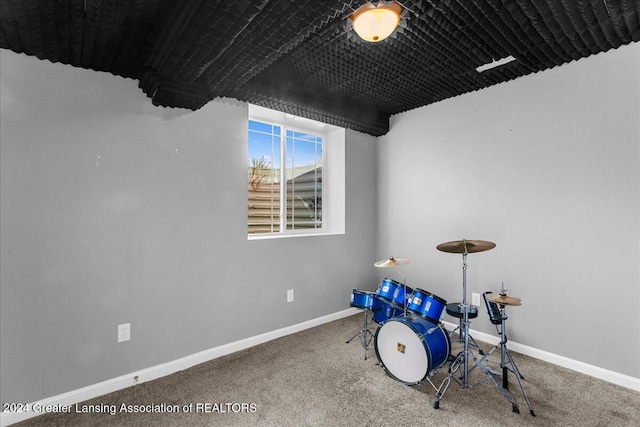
x: 395, y: 291
x: 364, y: 299
x: 427, y: 305
x: 387, y: 310
x: 413, y: 331
x: 388, y: 288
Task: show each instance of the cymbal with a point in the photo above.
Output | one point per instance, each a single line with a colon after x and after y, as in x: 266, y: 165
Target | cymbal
x: 391, y: 262
x: 504, y: 299
x: 465, y: 246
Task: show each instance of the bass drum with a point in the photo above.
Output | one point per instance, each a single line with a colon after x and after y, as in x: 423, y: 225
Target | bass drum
x: 409, y: 348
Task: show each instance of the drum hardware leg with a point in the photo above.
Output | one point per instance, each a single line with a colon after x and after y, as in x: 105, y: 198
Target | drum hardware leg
x: 440, y: 391
x: 516, y: 372
x: 491, y: 375
x: 506, y: 360
x: 460, y: 339
x: 507, y: 364
x: 365, y: 334
x: 460, y: 361
x: 475, y: 344
x: 454, y: 331
x: 482, y: 360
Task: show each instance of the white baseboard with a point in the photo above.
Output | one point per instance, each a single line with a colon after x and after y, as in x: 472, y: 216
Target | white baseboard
x: 159, y: 371
x: 575, y: 365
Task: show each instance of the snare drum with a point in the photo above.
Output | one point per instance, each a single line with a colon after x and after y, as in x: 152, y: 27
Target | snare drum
x: 427, y: 305
x: 394, y: 291
x: 409, y: 348
x: 365, y: 299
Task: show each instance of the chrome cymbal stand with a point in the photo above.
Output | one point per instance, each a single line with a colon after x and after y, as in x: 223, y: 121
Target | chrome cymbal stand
x: 364, y: 334
x: 464, y: 247
x: 464, y: 329
x: 507, y: 364
x: 462, y: 359
x: 404, y: 290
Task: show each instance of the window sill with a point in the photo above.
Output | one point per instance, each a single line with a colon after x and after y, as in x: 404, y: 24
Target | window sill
x: 286, y: 236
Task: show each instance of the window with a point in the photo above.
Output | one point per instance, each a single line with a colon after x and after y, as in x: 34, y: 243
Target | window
x: 287, y: 179
x: 284, y: 195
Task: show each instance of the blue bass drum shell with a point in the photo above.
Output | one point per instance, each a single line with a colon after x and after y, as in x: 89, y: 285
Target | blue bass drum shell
x: 409, y: 348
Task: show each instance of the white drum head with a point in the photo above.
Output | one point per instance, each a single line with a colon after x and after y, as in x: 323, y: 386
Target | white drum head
x: 402, y: 352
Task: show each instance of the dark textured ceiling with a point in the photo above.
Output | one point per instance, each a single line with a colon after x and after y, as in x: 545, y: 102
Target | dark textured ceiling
x: 303, y: 58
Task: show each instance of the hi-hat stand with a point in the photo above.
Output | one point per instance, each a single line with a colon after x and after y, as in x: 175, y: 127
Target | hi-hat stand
x: 506, y: 360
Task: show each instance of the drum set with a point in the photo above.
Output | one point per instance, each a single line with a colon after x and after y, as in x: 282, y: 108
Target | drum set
x: 410, y: 341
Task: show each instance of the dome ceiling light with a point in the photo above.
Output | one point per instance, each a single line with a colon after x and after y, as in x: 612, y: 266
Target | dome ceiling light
x: 376, y: 23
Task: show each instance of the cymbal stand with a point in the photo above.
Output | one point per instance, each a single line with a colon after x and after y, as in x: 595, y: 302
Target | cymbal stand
x: 462, y: 359
x: 404, y: 288
x: 364, y: 334
x: 507, y: 364
x: 464, y: 329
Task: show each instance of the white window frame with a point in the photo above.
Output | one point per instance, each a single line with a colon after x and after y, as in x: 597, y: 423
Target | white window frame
x: 333, y: 171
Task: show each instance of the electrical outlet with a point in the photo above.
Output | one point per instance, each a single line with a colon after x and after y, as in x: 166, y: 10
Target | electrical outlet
x: 290, y: 295
x: 124, y: 332
x: 475, y: 299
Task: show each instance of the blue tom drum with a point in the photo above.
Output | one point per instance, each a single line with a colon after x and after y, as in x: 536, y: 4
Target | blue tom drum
x: 365, y: 299
x: 389, y: 310
x: 427, y: 305
x: 394, y: 291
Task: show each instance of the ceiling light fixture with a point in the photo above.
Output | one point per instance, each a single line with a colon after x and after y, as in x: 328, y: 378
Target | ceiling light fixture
x: 376, y: 23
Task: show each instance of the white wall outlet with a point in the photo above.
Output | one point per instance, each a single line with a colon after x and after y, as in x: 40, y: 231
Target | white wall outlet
x: 475, y: 299
x: 124, y: 332
x: 290, y: 295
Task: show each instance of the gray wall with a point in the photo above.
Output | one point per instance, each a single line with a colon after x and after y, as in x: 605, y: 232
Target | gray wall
x: 115, y: 211
x: 547, y: 167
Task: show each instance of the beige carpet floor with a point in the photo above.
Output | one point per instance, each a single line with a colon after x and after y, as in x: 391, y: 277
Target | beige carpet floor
x: 313, y: 378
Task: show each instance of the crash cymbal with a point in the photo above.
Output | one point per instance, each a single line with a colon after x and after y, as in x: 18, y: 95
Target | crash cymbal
x: 391, y: 262
x: 465, y: 246
x: 504, y: 299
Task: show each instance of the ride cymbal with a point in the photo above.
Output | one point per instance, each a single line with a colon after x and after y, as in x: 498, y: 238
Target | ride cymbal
x: 465, y: 246
x: 391, y: 262
x: 504, y: 299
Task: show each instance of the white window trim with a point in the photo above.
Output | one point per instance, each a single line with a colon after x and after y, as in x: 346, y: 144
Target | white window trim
x: 333, y: 172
